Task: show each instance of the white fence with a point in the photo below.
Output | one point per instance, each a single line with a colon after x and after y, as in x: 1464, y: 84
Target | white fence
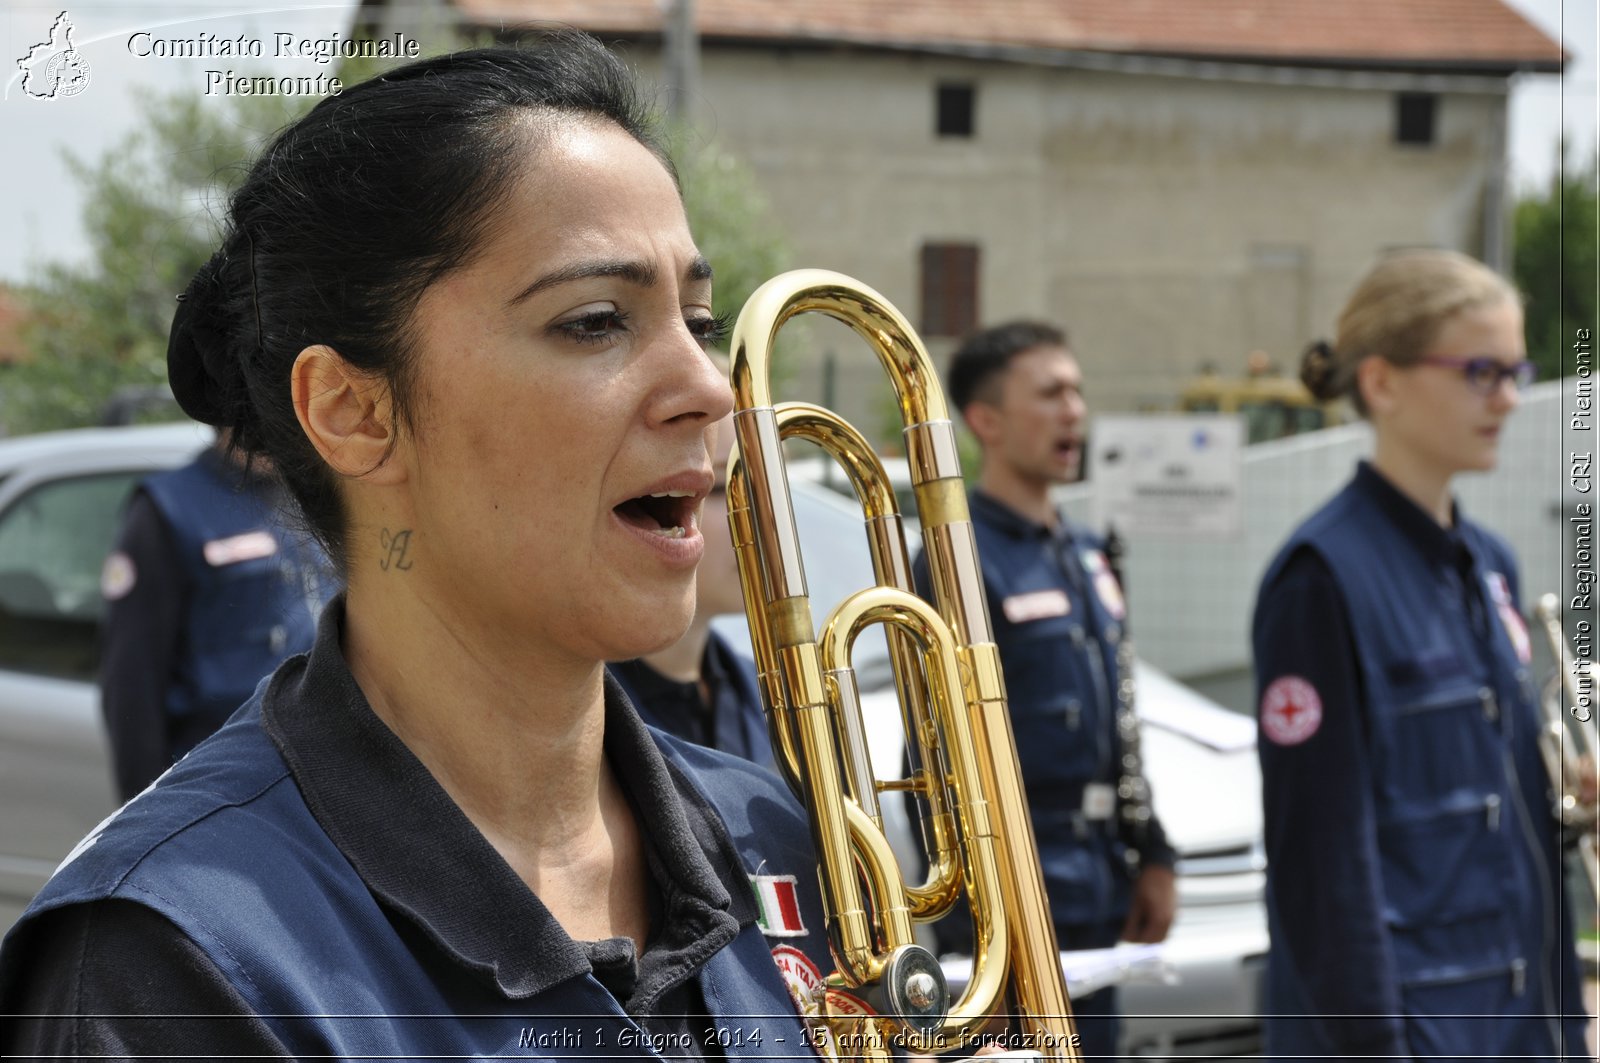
x: 1190, y: 603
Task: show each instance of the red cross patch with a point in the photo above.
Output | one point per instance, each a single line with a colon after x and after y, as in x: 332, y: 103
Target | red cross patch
x: 1510, y: 619
x: 1291, y: 711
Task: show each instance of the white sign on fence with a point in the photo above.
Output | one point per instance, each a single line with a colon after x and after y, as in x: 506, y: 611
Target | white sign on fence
x: 1168, y: 476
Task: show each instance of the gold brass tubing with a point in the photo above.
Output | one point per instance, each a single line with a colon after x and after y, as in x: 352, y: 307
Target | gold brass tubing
x: 942, y: 502
x: 952, y: 557
x: 931, y: 451
x: 790, y: 620
x: 840, y: 440
x: 848, y: 927
x: 911, y: 614
x: 969, y: 752
x: 771, y: 512
x: 747, y: 555
x: 846, y: 300
x: 1041, y: 997
x: 853, y: 742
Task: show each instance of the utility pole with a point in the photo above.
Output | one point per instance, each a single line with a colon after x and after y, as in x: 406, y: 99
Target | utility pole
x: 680, y: 58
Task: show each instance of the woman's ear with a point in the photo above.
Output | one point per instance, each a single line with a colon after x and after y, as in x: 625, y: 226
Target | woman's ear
x: 1375, y: 382
x: 348, y: 414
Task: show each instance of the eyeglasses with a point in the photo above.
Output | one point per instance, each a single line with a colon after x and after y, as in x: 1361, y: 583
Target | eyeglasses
x: 1485, y: 375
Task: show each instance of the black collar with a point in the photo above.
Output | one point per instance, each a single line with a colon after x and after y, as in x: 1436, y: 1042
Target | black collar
x: 1002, y: 517
x: 1435, y: 541
x: 417, y: 851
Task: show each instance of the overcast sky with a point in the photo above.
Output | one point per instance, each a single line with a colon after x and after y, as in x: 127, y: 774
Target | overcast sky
x: 39, y: 205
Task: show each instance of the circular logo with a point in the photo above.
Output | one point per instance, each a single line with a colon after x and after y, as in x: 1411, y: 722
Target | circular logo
x: 800, y: 977
x: 66, y: 74
x: 804, y: 982
x: 1291, y: 711
x: 117, y: 576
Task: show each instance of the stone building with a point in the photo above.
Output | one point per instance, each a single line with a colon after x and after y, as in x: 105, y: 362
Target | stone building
x: 1179, y: 182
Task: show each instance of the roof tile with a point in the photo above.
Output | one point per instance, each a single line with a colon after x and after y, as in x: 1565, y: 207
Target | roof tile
x: 1425, y: 32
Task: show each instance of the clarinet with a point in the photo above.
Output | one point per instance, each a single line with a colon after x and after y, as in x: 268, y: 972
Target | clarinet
x: 1133, y: 792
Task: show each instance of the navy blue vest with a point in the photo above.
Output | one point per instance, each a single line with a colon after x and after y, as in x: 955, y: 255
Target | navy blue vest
x: 257, y: 587
x: 1466, y: 843
x: 226, y: 848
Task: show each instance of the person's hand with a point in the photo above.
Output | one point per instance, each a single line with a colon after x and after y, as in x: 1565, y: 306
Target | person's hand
x: 1155, y: 903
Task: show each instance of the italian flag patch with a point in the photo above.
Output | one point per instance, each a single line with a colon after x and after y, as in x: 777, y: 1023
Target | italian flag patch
x: 779, y: 906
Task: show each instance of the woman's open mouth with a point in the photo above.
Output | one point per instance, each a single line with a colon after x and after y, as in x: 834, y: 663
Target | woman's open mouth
x: 670, y: 514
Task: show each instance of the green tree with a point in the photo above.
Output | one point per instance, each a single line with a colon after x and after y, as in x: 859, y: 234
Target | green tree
x: 154, y: 203
x: 1555, y: 263
x: 731, y: 220
x: 150, y: 215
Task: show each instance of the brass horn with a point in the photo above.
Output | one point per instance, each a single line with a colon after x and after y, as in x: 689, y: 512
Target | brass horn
x: 1572, y: 692
x: 947, y: 670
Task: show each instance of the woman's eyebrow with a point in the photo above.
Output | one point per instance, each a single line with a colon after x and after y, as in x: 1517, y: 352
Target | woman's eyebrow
x: 643, y: 274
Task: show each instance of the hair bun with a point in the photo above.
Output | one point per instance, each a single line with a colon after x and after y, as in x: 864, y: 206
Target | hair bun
x: 1318, y: 367
x: 201, y: 367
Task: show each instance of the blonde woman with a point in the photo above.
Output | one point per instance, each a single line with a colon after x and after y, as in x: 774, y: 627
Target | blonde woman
x: 1414, y: 874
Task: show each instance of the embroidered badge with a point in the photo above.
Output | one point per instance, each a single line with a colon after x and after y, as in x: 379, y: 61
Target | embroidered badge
x: 1036, y: 605
x: 800, y: 977
x: 1105, y: 583
x: 236, y: 548
x: 804, y: 982
x: 1291, y: 711
x: 843, y: 1005
x: 1510, y: 619
x: 117, y: 576
x: 779, y: 906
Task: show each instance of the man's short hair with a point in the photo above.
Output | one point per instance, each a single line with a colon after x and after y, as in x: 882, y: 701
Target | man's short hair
x: 982, y: 358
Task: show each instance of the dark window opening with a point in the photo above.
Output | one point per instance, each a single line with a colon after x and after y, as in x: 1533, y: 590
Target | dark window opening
x: 949, y: 289
x: 956, y: 109
x: 1415, y: 117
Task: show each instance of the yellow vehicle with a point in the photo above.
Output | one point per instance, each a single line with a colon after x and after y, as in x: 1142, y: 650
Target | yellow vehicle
x: 1273, y: 406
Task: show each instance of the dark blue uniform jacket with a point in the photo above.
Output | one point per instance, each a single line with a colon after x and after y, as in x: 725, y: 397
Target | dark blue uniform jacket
x: 1414, y: 884
x: 735, y: 723
x: 1057, y: 616
x: 222, y: 592
x: 250, y: 848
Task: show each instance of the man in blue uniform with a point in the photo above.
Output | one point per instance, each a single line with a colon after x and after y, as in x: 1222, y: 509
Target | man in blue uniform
x: 206, y: 592
x: 700, y: 688
x: 1059, y: 619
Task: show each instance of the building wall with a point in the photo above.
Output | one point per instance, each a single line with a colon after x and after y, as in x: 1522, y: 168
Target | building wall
x: 1168, y: 222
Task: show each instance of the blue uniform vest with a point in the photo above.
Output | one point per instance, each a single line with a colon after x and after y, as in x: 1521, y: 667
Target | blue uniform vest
x: 226, y: 848
x: 1466, y: 843
x: 1058, y: 646
x: 252, y: 605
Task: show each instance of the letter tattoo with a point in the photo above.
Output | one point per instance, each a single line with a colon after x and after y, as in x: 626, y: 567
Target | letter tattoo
x: 396, y: 544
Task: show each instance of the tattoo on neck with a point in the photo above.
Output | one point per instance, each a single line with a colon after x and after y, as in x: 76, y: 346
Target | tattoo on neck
x: 395, y: 544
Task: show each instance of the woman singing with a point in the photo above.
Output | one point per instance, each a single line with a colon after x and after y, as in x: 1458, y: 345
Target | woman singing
x: 460, y: 310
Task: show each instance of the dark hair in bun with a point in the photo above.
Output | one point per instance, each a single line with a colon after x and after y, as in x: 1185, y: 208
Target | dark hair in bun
x: 350, y: 214
x: 206, y: 379
x: 1319, y: 371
